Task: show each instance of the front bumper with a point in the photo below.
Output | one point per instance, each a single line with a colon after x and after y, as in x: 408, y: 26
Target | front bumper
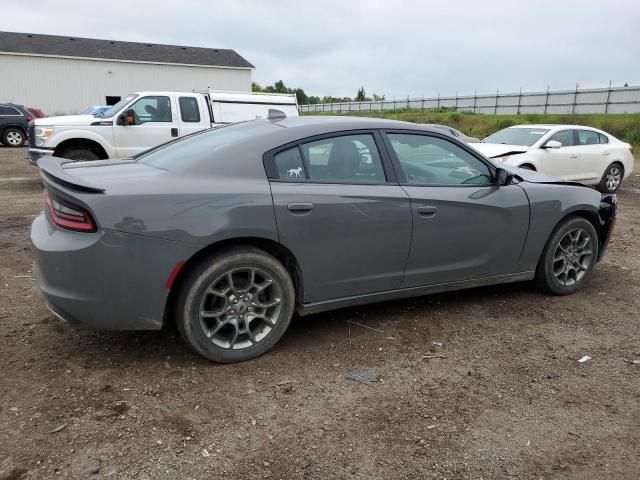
x: 104, y: 280
x: 35, y: 154
x: 607, y: 217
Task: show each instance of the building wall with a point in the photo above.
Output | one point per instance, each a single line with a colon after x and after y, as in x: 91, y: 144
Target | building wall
x: 68, y: 86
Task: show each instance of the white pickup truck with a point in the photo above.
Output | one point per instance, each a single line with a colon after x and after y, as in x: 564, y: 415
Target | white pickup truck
x: 143, y: 120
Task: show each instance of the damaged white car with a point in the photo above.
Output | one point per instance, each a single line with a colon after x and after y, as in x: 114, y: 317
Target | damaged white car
x: 570, y: 152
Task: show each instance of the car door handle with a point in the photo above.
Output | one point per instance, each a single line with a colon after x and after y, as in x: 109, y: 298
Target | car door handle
x: 573, y: 156
x: 174, y: 132
x: 606, y: 153
x: 300, y: 207
x: 427, y: 211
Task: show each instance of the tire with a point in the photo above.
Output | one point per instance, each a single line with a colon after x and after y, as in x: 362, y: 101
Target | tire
x: 223, y: 335
x: 564, y: 266
x: 13, y: 137
x: 80, y: 154
x: 612, y: 178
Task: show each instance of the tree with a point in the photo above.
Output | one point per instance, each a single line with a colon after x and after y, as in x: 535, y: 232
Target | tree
x: 255, y: 87
x: 361, y: 96
x: 378, y: 98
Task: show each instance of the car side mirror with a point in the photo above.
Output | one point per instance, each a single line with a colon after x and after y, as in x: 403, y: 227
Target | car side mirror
x: 503, y: 177
x: 126, y: 118
x: 552, y: 144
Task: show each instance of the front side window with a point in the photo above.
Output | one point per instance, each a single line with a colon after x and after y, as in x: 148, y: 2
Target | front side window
x: 344, y: 159
x: 427, y: 160
x: 565, y: 137
x: 587, y: 137
x: 152, y: 109
x: 189, y: 111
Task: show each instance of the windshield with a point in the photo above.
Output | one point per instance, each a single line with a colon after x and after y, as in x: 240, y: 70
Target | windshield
x: 517, y: 136
x: 116, y: 108
x: 201, y: 146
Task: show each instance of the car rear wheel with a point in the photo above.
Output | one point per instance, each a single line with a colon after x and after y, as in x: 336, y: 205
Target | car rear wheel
x: 13, y: 137
x: 235, y: 306
x: 568, y: 259
x: 611, y: 179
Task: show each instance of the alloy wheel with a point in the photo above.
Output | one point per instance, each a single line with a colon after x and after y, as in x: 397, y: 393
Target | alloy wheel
x: 240, y: 308
x: 614, y: 175
x: 572, y: 257
x: 14, y: 138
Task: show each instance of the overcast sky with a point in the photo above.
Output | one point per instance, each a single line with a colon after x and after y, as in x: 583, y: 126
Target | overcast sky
x: 398, y: 48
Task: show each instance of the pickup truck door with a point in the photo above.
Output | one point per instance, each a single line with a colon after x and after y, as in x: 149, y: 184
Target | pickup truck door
x: 155, y: 123
x: 193, y: 114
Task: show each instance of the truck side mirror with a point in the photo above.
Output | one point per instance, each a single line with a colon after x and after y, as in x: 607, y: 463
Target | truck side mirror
x: 126, y: 118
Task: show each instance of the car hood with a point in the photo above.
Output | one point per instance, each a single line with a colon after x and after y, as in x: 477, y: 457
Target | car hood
x: 67, y: 120
x: 492, y: 150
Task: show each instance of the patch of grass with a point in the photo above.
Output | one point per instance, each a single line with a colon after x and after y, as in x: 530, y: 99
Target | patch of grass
x: 626, y: 127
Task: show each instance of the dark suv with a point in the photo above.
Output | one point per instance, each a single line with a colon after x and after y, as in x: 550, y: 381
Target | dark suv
x: 14, y: 123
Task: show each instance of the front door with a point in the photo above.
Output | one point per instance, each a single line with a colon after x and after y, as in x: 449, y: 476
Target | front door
x: 155, y: 123
x: 464, y: 226
x: 561, y: 162
x: 348, y: 226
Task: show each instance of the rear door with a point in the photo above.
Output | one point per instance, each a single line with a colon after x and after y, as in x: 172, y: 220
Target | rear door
x: 464, y: 226
x: 156, y: 123
x: 593, y: 156
x: 341, y: 213
x: 193, y: 116
x: 561, y: 162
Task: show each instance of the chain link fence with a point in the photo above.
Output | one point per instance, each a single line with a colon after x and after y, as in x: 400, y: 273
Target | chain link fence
x: 594, y: 100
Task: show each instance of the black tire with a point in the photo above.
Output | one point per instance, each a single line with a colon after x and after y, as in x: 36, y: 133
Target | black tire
x: 571, y: 279
x: 13, y: 137
x: 612, y: 178
x: 196, y: 293
x: 80, y: 154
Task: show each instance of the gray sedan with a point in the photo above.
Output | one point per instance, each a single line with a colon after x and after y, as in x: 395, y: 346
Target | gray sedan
x: 229, y: 232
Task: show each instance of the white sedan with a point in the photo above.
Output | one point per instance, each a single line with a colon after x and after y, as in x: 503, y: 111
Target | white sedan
x: 570, y: 152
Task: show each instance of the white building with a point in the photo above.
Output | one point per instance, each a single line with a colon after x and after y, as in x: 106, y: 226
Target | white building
x: 65, y: 75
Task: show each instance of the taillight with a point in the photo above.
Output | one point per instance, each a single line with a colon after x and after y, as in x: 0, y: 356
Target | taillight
x: 67, y: 216
x: 30, y: 117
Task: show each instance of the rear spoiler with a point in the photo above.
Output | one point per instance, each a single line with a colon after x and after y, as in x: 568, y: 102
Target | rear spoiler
x: 52, y: 170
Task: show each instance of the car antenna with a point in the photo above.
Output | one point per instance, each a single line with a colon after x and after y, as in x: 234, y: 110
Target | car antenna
x: 276, y: 114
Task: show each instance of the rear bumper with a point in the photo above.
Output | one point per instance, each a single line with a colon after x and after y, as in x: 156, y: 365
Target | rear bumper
x: 35, y: 154
x: 607, y: 216
x: 104, y: 280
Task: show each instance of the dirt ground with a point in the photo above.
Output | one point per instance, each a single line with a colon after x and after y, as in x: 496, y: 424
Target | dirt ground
x: 504, y: 396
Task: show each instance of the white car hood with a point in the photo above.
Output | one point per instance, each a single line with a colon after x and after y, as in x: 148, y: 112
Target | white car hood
x: 492, y: 150
x: 80, y: 120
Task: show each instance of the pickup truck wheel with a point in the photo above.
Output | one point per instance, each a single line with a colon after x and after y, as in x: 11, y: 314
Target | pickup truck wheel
x: 236, y: 305
x: 13, y: 137
x: 611, y: 179
x: 568, y: 258
x: 80, y: 154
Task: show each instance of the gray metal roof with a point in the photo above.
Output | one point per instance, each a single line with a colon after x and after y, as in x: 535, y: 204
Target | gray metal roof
x: 31, y: 43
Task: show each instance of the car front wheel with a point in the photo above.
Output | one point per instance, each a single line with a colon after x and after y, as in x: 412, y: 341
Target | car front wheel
x: 568, y: 259
x: 235, y: 306
x: 13, y: 137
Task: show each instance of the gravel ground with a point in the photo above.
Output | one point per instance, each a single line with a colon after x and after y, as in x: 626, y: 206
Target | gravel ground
x: 503, y: 396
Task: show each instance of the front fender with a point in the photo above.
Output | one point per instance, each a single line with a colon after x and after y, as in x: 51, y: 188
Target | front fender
x: 83, y: 134
x: 550, y: 203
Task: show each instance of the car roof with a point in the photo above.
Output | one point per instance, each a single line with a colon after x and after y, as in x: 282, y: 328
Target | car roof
x: 330, y: 123
x: 552, y: 125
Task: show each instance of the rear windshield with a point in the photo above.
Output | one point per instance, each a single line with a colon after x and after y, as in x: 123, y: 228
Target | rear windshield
x: 200, y: 147
x: 517, y: 136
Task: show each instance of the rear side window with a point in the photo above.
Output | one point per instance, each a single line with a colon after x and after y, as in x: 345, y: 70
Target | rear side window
x: 6, y: 110
x: 587, y: 137
x: 189, y: 111
x: 289, y: 165
x: 603, y: 138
